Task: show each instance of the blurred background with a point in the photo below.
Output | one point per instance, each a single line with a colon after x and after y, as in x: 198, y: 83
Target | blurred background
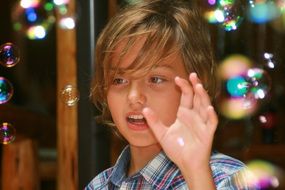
x: 47, y: 128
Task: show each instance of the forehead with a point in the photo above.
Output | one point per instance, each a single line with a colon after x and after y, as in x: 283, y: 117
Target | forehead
x: 127, y: 51
x: 141, y: 53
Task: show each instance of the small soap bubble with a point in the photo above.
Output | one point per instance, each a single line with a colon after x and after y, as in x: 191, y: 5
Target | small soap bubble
x: 269, y: 60
x: 260, y: 82
x: 6, y: 90
x: 69, y: 95
x: 34, y: 19
x: 233, y: 66
x: 262, y: 11
x: 232, y: 14
x: 237, y: 86
x: 9, y: 55
x: 237, y: 108
x: 262, y: 174
x: 60, y: 2
x: 7, y: 133
x: 67, y: 23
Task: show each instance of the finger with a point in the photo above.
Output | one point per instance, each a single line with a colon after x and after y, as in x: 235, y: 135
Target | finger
x: 212, y: 121
x: 204, y: 97
x: 186, y: 92
x: 157, y: 127
x: 201, y: 99
x: 193, y: 77
x: 196, y: 82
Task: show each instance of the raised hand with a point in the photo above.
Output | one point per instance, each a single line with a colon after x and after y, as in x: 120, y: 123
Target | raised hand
x: 188, y: 141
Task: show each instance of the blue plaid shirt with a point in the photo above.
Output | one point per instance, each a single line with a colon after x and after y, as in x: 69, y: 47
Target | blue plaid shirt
x: 162, y: 174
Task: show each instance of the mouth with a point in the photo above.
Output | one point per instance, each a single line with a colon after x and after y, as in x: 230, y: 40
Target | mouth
x: 137, y: 122
x: 137, y: 119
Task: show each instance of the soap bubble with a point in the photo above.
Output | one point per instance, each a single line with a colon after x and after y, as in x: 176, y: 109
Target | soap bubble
x: 262, y: 11
x: 227, y: 13
x: 7, y: 133
x: 9, y: 55
x: 6, y: 90
x: 269, y: 60
x: 259, y: 81
x: 237, y: 86
x: 34, y: 19
x: 67, y: 23
x: 237, y: 108
x: 262, y: 174
x: 69, y: 95
x: 230, y: 14
x: 234, y: 65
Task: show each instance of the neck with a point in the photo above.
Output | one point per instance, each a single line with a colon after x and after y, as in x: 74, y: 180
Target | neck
x: 140, y: 156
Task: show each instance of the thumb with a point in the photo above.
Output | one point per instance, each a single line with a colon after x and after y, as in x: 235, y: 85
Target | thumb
x: 157, y: 127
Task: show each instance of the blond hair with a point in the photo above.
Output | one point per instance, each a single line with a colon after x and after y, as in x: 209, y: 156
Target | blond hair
x: 170, y: 26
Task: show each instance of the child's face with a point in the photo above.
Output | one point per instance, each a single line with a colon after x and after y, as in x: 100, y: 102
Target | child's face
x: 129, y: 93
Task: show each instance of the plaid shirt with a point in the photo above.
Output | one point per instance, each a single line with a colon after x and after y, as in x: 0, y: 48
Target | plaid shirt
x: 162, y: 174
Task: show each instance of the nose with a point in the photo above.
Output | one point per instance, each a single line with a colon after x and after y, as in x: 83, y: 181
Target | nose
x: 136, y: 95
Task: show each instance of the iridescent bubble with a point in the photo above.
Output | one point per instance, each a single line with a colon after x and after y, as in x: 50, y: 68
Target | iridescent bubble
x: 237, y: 86
x: 7, y: 133
x: 9, y: 55
x: 236, y: 99
x: 60, y: 2
x: 69, y: 95
x: 232, y: 14
x: 269, y: 60
x: 262, y: 174
x: 212, y: 17
x: 233, y: 66
x: 6, y: 90
x: 29, y: 3
x: 237, y: 108
x: 67, y: 23
x: 34, y: 19
x: 260, y: 82
x: 262, y: 11
x: 212, y: 2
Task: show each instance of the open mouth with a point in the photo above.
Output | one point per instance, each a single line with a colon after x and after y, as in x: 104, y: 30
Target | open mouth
x: 136, y: 119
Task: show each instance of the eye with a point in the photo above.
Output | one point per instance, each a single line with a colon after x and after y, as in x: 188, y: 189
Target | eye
x: 119, y: 81
x: 156, y: 80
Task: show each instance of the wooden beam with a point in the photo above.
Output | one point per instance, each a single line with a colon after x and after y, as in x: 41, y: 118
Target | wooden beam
x: 20, y: 163
x: 67, y: 176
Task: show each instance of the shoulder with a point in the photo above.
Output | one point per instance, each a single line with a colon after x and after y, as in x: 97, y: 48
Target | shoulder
x: 101, y: 180
x: 228, y: 172
x: 225, y: 163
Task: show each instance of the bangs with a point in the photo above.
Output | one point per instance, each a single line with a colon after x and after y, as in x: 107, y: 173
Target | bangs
x: 156, y: 46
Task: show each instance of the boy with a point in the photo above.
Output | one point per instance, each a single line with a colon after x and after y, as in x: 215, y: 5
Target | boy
x: 154, y: 82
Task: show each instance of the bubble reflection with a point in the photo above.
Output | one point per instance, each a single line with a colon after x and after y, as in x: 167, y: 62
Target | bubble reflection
x: 69, y: 95
x: 263, y: 174
x: 9, y: 55
x: 7, y: 133
x: 6, y: 90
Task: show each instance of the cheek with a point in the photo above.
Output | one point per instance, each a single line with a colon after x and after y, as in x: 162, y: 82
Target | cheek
x: 112, y: 101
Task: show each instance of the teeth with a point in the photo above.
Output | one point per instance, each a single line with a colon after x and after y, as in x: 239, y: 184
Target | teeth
x: 135, y: 116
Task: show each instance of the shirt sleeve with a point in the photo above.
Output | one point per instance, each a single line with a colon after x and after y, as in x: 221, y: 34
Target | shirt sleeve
x: 240, y: 180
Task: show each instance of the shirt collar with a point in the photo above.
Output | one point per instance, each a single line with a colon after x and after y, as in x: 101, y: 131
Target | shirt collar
x: 119, y: 172
x: 159, y: 172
